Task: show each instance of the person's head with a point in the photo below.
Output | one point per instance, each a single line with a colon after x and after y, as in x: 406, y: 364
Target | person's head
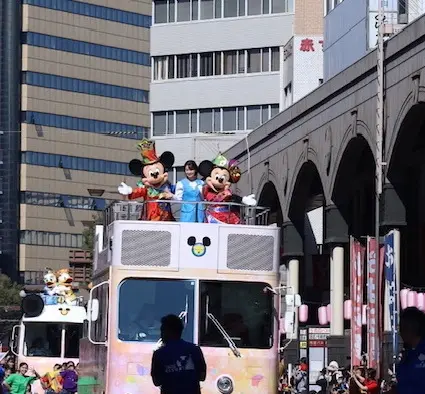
x: 371, y: 373
x: 10, y: 363
x: 7, y: 372
x: 70, y: 365
x: 64, y: 366
x: 57, y: 367
x: 412, y: 326
x: 171, y: 328
x: 191, y: 170
x: 23, y: 368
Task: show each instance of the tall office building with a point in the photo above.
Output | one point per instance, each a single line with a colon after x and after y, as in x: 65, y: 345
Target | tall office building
x: 217, y: 70
x: 74, y: 81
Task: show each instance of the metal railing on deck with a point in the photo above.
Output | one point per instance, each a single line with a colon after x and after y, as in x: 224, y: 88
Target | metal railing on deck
x: 133, y: 210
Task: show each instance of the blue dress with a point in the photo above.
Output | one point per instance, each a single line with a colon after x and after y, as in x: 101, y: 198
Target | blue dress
x: 190, y: 191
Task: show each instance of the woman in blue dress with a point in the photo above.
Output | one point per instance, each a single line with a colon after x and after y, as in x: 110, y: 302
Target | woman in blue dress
x: 190, y: 189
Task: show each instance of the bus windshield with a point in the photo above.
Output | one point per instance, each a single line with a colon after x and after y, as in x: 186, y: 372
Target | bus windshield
x: 44, y: 339
x: 243, y: 309
x: 143, y: 302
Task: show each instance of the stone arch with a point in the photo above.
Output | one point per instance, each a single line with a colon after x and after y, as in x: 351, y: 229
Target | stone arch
x: 406, y: 173
x: 353, y: 187
x: 362, y: 131
x: 269, y: 198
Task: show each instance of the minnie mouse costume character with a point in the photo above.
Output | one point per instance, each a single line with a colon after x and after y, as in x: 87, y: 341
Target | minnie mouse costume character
x: 155, y: 185
x: 219, y: 175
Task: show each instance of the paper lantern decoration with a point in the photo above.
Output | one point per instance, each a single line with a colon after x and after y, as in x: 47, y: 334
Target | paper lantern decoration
x: 412, y: 298
x: 329, y: 312
x: 403, y: 298
x: 323, y: 318
x: 347, y: 309
x: 420, y: 302
x: 364, y: 315
x: 303, y: 313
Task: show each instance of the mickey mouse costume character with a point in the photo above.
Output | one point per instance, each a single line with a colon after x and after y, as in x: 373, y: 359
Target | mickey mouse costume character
x: 219, y: 175
x: 155, y: 185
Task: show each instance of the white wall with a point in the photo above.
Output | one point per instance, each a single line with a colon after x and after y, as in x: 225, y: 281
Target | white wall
x: 307, y: 68
x: 213, y: 92
x: 345, y: 36
x: 287, y: 73
x: 221, y: 34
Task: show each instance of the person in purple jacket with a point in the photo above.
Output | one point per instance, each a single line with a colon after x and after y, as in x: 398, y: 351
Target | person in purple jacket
x: 70, y: 379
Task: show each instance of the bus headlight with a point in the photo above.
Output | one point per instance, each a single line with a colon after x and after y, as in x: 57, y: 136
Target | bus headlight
x: 225, y: 385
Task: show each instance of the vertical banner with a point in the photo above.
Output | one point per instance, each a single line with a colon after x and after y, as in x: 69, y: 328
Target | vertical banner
x: 390, y: 273
x: 372, y: 306
x: 356, y: 269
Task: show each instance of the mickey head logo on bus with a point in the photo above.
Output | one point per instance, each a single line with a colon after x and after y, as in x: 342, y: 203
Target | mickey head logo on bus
x: 199, y: 248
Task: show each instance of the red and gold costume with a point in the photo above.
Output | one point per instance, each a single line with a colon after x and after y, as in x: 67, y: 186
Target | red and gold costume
x: 219, y: 213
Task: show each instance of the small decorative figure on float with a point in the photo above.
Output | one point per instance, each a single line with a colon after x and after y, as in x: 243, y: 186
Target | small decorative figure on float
x: 65, y: 286
x: 155, y: 185
x: 50, y: 282
x: 219, y: 175
x: 189, y: 190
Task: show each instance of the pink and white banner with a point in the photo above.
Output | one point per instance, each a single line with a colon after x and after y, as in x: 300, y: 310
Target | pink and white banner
x: 374, y: 272
x: 356, y: 268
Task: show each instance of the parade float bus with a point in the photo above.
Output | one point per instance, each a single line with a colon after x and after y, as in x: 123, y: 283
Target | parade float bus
x: 218, y: 278
x: 49, y: 332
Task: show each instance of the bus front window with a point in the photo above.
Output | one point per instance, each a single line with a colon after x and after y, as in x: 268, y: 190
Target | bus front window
x: 243, y: 309
x: 42, y: 339
x: 73, y: 333
x: 143, y: 302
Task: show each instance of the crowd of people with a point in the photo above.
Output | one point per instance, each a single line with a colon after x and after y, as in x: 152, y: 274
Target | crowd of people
x: 62, y: 379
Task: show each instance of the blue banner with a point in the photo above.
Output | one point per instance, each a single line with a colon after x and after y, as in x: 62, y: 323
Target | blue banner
x: 391, y: 281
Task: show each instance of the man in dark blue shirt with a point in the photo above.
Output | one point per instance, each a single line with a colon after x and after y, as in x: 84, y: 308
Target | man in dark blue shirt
x: 411, y: 370
x: 178, y: 366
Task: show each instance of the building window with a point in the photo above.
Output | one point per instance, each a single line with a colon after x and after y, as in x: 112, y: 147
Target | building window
x: 215, y: 9
x: 94, y: 11
x: 82, y: 86
x: 63, y: 201
x: 46, y: 238
x: 207, y: 120
x: 86, y: 48
x: 182, y: 122
x: 254, y: 60
x: 159, y: 124
x: 217, y: 63
x: 183, y: 10
x: 74, y: 163
x: 84, y: 124
x: 206, y: 64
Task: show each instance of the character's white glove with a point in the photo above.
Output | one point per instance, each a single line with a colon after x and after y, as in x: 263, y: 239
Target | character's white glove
x: 249, y: 200
x: 124, y: 189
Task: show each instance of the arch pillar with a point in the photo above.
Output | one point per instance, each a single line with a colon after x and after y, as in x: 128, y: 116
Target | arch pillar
x: 337, y: 239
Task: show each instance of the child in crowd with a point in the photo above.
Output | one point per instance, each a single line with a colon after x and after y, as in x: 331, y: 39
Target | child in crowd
x: 70, y: 379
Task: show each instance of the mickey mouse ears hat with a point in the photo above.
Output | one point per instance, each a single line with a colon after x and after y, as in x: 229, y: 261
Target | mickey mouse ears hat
x: 148, y: 152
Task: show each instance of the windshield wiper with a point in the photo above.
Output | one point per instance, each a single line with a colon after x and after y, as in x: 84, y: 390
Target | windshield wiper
x: 182, y: 316
x: 226, y: 336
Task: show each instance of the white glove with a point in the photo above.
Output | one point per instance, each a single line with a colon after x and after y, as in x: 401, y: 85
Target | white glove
x: 124, y: 189
x: 249, y: 200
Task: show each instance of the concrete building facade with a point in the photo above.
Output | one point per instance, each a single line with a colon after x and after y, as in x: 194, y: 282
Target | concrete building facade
x: 217, y: 69
x: 79, y: 102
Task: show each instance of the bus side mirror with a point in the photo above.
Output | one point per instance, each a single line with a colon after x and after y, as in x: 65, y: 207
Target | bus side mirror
x: 93, y: 310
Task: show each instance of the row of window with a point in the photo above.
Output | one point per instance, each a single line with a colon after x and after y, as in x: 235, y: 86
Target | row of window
x: 84, y: 124
x: 169, y: 11
x: 216, y: 63
x: 94, y: 11
x: 75, y: 163
x: 212, y: 119
x: 86, y: 48
x: 63, y: 201
x: 82, y: 86
x: 46, y: 238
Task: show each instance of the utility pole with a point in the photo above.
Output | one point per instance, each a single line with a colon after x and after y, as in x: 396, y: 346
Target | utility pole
x: 378, y: 153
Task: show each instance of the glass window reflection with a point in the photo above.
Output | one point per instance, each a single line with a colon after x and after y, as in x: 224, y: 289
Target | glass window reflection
x: 142, y: 323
